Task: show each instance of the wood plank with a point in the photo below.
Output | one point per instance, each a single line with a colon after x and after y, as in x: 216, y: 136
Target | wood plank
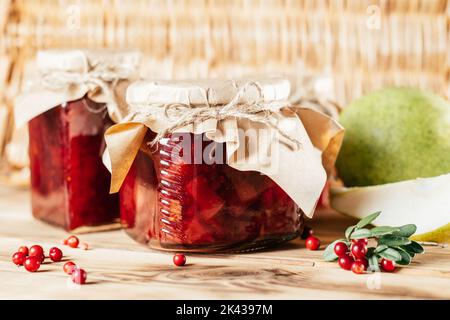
x: 119, y: 268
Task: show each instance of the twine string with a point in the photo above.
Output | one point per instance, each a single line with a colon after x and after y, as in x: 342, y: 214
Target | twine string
x: 181, y: 115
x: 103, y: 77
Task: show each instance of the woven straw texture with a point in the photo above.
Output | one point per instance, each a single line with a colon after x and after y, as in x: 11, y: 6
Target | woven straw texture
x: 347, y: 47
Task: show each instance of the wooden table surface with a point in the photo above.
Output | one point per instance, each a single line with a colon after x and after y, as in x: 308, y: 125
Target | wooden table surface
x: 118, y: 268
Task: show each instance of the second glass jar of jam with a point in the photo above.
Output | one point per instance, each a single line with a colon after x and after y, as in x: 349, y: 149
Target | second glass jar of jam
x: 185, y: 188
x: 69, y: 182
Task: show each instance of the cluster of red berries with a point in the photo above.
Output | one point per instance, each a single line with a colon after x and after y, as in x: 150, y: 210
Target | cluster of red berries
x: 311, y: 242
x: 354, y: 258
x: 32, y: 258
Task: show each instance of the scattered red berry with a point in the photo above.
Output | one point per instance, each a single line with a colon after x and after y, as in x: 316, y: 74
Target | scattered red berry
x: 55, y: 254
x: 36, y: 251
x: 73, y: 242
x: 18, y: 258
x: 358, y: 267
x: 359, y: 250
x: 340, y: 249
x: 346, y: 262
x: 388, y: 265
x: 64, y: 242
x: 24, y: 250
x: 32, y: 264
x: 312, y: 243
x: 307, y: 231
x: 79, y: 276
x: 69, y: 267
x: 179, y: 259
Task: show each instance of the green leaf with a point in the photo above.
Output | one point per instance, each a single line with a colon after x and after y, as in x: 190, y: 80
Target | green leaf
x: 328, y: 254
x: 361, y: 234
x: 406, y: 231
x: 413, y: 247
x: 390, y: 254
x: 380, y: 248
x: 370, y: 252
x: 393, y: 241
x: 406, y: 258
x: 349, y: 232
x: 381, y: 231
x: 408, y: 250
x: 367, y: 220
x: 373, y: 264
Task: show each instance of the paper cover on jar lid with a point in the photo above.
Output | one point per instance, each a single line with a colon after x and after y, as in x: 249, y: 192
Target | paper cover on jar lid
x: 245, y: 107
x: 68, y: 75
x: 198, y: 92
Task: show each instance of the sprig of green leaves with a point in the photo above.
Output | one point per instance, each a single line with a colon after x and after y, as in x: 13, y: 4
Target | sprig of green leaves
x: 393, y: 243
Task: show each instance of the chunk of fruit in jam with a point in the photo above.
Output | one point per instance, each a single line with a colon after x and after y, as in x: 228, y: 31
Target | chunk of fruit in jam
x: 205, y: 200
x: 187, y: 199
x: 69, y: 183
x: 203, y: 205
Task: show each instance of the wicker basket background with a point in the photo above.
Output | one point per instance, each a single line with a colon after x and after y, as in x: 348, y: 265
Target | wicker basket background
x: 347, y: 47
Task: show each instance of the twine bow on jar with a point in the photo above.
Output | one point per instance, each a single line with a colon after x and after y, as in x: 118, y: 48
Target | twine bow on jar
x: 181, y: 115
x: 102, y: 76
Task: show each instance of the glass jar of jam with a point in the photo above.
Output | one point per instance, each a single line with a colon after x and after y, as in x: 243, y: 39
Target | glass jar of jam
x: 175, y: 204
x: 187, y: 189
x: 69, y: 112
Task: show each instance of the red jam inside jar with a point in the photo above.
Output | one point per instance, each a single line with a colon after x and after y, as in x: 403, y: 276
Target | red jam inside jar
x: 69, y: 183
x: 174, y: 201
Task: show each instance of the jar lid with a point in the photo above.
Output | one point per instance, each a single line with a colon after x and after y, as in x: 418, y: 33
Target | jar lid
x: 213, y: 92
x: 85, y: 60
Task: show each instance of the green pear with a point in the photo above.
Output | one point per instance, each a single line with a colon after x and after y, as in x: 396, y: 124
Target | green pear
x: 395, y: 158
x: 394, y: 134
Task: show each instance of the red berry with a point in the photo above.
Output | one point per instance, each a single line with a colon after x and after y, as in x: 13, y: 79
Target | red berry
x: 346, y: 262
x: 307, y: 231
x: 36, y: 251
x: 312, y: 243
x: 388, y: 265
x: 55, y: 254
x: 359, y: 250
x: 32, y: 264
x: 79, y: 276
x: 73, y: 242
x: 340, y: 249
x: 179, y: 259
x: 364, y: 241
x: 358, y: 267
x: 364, y: 262
x: 64, y: 242
x: 69, y: 267
x: 24, y: 250
x: 18, y: 258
